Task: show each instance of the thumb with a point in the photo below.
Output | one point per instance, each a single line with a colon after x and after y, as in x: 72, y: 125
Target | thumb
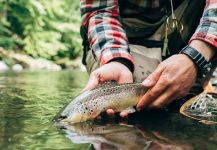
x: 152, y: 79
x: 93, y: 82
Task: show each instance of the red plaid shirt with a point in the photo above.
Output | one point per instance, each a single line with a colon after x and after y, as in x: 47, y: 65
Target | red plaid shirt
x: 105, y: 33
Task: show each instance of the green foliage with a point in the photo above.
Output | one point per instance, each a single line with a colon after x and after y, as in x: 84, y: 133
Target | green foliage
x: 41, y: 28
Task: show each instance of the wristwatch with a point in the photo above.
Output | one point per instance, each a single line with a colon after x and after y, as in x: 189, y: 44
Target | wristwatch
x: 203, y: 66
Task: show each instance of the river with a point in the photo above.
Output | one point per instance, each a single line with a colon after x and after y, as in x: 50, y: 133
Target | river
x: 30, y: 100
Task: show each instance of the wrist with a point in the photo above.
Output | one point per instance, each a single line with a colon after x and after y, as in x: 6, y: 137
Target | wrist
x: 124, y: 62
x: 203, y: 66
x: 204, y: 48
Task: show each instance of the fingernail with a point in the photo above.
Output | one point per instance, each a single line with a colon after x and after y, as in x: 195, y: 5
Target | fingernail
x: 146, y: 82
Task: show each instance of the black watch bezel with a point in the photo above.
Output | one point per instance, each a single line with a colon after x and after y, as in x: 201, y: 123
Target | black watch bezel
x: 203, y: 66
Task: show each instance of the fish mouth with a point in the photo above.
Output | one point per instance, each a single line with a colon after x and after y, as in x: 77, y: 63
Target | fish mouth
x: 61, y: 118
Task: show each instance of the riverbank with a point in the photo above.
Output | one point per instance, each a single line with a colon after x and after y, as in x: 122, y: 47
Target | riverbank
x: 12, y: 61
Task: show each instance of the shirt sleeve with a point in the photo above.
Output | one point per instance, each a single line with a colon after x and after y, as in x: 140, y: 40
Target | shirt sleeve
x: 207, y: 29
x: 104, y: 30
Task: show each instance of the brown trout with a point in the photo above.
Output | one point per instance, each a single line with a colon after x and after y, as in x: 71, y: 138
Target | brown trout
x: 90, y: 104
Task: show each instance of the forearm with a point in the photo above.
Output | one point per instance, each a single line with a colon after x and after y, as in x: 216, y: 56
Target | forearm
x: 106, y: 35
x: 205, y: 37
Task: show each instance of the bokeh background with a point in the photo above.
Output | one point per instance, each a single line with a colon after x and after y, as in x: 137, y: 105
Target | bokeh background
x: 39, y: 34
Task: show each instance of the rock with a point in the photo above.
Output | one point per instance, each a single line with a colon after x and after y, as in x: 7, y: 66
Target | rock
x: 25, y: 61
x: 83, y: 68
x: 3, y: 66
x: 17, y: 67
x: 43, y: 64
x: 55, y: 67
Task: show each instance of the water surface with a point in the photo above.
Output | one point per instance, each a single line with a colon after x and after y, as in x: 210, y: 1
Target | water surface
x: 30, y: 100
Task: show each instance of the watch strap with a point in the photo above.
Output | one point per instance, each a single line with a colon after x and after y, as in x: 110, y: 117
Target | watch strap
x: 202, y: 64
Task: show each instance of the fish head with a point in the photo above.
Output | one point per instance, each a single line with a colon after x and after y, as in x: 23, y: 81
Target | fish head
x: 81, y: 113
x: 75, y: 118
x: 76, y: 114
x: 75, y: 111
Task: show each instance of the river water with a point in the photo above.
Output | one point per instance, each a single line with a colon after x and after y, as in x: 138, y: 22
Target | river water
x: 30, y: 100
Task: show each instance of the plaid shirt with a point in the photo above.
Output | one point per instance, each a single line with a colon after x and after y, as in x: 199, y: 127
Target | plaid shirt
x: 106, y: 36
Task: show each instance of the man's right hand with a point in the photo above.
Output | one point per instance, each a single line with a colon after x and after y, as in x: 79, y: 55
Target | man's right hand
x: 111, y: 71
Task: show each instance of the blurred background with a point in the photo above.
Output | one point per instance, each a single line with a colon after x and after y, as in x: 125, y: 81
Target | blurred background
x: 39, y: 34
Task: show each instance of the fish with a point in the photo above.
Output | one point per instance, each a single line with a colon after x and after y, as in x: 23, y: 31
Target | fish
x: 202, y: 107
x: 90, y: 104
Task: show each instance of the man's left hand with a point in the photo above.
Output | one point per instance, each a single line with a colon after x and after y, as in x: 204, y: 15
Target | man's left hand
x: 172, y: 79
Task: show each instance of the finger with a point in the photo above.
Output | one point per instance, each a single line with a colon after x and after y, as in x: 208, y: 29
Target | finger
x: 152, y: 79
x: 110, y: 112
x: 166, y: 98
x: 124, y: 114
x: 152, y: 94
x: 92, y: 83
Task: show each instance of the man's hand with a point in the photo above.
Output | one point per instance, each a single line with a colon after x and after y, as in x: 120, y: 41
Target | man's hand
x: 111, y: 71
x: 172, y: 79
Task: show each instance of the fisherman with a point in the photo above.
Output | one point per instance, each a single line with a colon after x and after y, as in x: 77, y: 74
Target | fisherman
x: 168, y: 45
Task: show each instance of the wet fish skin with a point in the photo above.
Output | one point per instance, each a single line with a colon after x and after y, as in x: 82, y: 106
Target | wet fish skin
x: 90, y: 104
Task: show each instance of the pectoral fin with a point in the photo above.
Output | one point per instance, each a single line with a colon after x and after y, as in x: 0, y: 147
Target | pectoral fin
x: 129, y: 110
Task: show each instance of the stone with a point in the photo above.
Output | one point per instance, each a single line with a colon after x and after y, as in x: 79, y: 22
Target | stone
x: 17, y: 67
x: 3, y: 66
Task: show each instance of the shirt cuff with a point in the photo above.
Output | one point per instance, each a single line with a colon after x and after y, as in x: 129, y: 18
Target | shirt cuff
x: 121, y: 56
x: 206, y: 37
x: 125, y: 62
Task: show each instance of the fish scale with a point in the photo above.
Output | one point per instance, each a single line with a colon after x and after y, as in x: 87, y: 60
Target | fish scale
x: 90, y: 104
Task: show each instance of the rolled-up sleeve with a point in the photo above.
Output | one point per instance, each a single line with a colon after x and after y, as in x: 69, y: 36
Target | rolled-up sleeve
x: 207, y: 29
x: 105, y: 33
